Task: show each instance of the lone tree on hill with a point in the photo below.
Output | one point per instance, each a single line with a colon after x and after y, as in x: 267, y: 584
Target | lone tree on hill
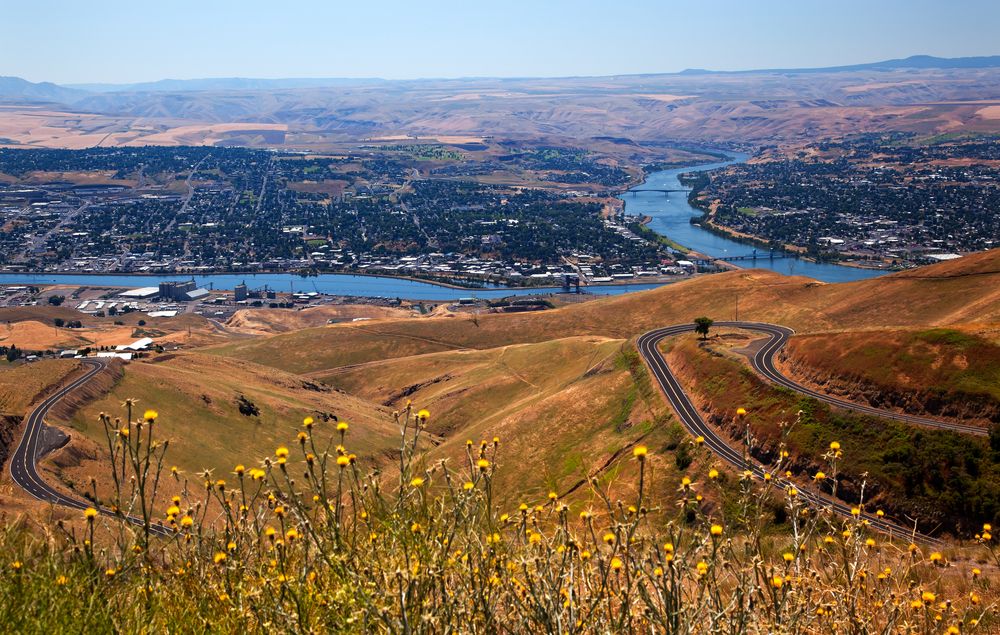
x: 701, y: 326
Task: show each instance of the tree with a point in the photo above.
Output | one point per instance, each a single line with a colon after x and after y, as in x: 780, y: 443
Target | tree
x: 56, y: 300
x: 247, y: 407
x: 59, y: 322
x: 701, y: 326
x: 13, y: 353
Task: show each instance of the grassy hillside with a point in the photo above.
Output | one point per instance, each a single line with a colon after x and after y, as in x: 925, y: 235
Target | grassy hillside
x: 434, y: 550
x: 569, y: 408
x: 200, y: 397
x: 22, y: 384
x: 960, y: 291
x: 941, y: 370
x: 32, y: 328
x: 949, y: 481
x: 281, y: 320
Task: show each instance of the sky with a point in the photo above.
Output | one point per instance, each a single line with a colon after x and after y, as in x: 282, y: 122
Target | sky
x: 74, y: 41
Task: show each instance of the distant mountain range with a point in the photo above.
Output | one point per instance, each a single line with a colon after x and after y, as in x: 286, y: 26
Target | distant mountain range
x: 17, y: 89
x: 225, y: 83
x: 912, y: 62
x: 912, y: 94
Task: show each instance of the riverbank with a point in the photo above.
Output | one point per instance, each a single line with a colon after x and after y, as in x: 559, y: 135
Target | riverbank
x: 368, y: 286
x: 672, y: 214
x: 642, y: 228
x: 709, y: 224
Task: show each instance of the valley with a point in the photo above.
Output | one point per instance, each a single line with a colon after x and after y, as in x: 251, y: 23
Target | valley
x: 500, y: 318
x: 564, y: 388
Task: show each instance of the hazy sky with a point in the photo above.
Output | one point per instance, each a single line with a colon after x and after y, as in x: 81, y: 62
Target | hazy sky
x: 126, y: 41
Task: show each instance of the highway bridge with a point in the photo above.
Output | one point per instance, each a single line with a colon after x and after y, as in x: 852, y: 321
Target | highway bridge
x: 768, y: 255
x: 645, y: 189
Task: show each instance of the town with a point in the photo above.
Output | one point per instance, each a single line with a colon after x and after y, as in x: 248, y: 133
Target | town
x: 881, y: 198
x: 197, y: 210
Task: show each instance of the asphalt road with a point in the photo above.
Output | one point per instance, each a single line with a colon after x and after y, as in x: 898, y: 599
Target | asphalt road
x: 763, y: 363
x: 23, y: 463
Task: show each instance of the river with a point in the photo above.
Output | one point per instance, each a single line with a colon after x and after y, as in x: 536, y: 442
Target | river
x: 671, y: 217
x: 331, y: 283
x: 670, y: 213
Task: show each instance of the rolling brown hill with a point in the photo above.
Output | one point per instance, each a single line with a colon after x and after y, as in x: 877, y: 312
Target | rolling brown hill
x: 961, y: 291
x: 758, y: 107
x: 944, y: 372
x: 563, y: 389
x: 257, y: 321
x: 32, y: 328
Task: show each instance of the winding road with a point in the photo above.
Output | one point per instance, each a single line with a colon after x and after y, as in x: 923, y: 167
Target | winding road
x: 23, y: 463
x: 763, y: 362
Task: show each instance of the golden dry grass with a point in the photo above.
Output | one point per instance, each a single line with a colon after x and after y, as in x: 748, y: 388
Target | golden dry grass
x: 953, y: 372
x: 989, y: 112
x: 199, y: 395
x: 569, y: 408
x: 36, y: 336
x: 21, y: 385
x: 270, y: 321
x: 954, y: 292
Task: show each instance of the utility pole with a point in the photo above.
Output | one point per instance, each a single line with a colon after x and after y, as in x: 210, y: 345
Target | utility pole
x: 737, y: 306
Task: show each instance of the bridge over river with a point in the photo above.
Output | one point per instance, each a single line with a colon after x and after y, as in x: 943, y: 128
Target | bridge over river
x: 649, y: 189
x: 755, y: 255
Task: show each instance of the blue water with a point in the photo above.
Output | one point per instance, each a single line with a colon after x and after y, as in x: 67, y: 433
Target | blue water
x: 331, y: 283
x: 671, y: 216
